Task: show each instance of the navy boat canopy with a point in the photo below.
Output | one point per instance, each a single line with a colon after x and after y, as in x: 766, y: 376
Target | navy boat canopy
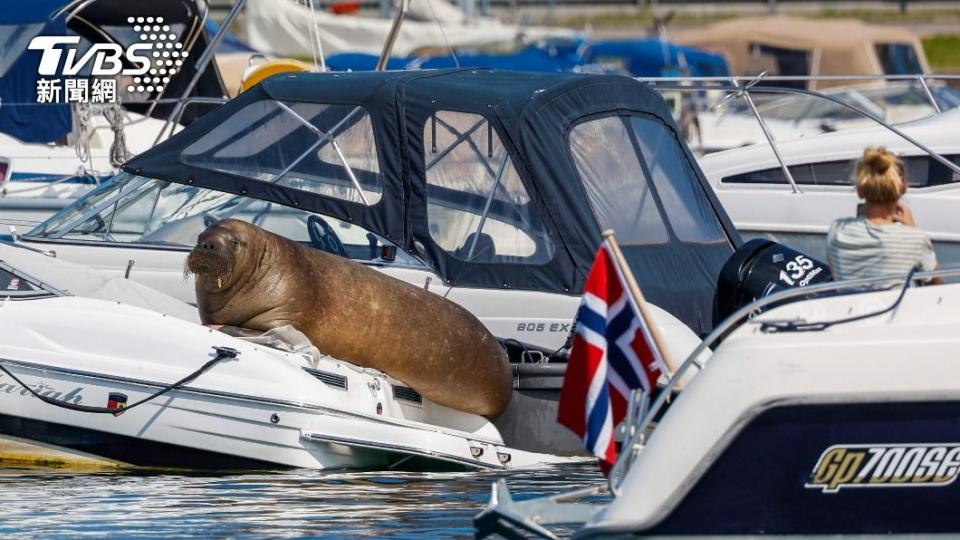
x: 493, y: 178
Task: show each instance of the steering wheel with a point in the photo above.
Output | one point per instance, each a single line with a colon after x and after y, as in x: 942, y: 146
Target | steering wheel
x: 323, y: 237
x: 94, y: 225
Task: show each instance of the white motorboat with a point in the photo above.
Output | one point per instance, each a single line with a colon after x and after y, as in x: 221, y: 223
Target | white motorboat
x: 292, y: 28
x: 794, y: 117
x: 75, y: 365
x: 827, y: 416
x: 489, y: 204
x: 142, y: 224
x: 56, y: 148
x: 762, y: 202
x: 43, y: 179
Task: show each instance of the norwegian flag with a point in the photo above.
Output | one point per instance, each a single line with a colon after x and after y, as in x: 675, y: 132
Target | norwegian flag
x: 613, y: 353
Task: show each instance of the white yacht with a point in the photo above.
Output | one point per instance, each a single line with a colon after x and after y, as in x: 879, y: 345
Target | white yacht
x: 118, y: 371
x: 458, y: 181
x: 761, y: 200
x: 805, y: 420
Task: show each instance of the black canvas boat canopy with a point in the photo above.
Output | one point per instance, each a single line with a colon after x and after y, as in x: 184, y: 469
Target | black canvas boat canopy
x: 495, y: 179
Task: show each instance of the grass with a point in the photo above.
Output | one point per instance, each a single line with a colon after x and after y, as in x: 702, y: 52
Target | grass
x: 943, y: 52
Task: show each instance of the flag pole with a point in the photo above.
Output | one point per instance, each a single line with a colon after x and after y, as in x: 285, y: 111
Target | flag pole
x: 641, y: 303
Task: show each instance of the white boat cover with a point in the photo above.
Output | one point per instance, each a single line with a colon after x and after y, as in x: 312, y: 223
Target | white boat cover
x: 434, y: 10
x: 86, y: 282
x: 283, y: 28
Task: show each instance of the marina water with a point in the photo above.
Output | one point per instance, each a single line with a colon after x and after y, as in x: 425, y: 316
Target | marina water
x: 51, y: 503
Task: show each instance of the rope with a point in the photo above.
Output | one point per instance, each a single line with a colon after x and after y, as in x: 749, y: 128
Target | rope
x: 82, y: 142
x: 222, y: 354
x: 118, y: 150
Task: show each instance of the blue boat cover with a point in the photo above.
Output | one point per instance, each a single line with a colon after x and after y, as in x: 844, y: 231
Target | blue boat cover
x: 20, y: 115
x: 29, y: 11
x: 655, y: 58
x: 528, y: 59
x: 637, y: 57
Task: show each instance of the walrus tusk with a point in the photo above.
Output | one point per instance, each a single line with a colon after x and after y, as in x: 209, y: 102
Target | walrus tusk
x: 219, y: 282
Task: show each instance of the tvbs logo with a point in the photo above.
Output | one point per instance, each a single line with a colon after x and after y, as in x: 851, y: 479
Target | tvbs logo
x: 158, y: 55
x: 103, y: 58
x: 891, y: 465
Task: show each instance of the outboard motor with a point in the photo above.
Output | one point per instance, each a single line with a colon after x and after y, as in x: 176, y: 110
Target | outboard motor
x: 761, y: 267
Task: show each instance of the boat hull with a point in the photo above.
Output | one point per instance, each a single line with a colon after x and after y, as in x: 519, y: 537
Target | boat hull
x: 262, y: 406
x: 867, y: 468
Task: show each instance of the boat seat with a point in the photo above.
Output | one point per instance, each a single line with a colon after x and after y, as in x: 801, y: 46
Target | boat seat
x: 486, y: 250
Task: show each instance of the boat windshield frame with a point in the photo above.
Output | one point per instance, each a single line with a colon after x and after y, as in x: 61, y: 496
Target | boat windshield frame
x: 127, y: 187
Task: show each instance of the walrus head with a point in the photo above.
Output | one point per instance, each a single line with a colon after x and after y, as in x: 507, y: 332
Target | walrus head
x: 219, y: 251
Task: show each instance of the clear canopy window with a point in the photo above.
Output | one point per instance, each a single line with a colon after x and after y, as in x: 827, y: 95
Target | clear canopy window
x: 477, y: 207
x: 618, y: 191
x: 689, y: 212
x: 635, y: 173
x: 314, y: 147
x: 135, y: 210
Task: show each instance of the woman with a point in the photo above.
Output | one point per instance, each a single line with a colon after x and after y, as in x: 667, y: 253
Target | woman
x: 883, y: 240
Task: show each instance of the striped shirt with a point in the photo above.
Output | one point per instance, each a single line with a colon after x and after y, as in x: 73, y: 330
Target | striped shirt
x: 857, y: 248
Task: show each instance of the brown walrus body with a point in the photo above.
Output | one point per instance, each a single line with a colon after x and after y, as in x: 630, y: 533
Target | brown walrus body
x: 251, y: 278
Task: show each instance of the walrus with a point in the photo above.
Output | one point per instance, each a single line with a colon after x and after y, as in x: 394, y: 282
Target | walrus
x: 251, y: 278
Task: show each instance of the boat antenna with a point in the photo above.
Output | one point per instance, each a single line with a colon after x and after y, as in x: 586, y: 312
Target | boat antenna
x: 436, y: 19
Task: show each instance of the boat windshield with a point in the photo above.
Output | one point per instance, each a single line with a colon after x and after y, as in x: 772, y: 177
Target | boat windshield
x: 130, y: 209
x: 14, y: 284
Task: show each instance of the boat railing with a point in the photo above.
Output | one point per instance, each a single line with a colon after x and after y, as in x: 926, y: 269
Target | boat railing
x: 744, y: 87
x: 642, y: 414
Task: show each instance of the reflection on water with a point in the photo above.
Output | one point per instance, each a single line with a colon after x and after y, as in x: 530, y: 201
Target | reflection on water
x: 46, y: 503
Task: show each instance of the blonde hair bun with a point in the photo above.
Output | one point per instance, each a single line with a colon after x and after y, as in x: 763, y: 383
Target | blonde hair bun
x: 878, y: 160
x: 879, y: 176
